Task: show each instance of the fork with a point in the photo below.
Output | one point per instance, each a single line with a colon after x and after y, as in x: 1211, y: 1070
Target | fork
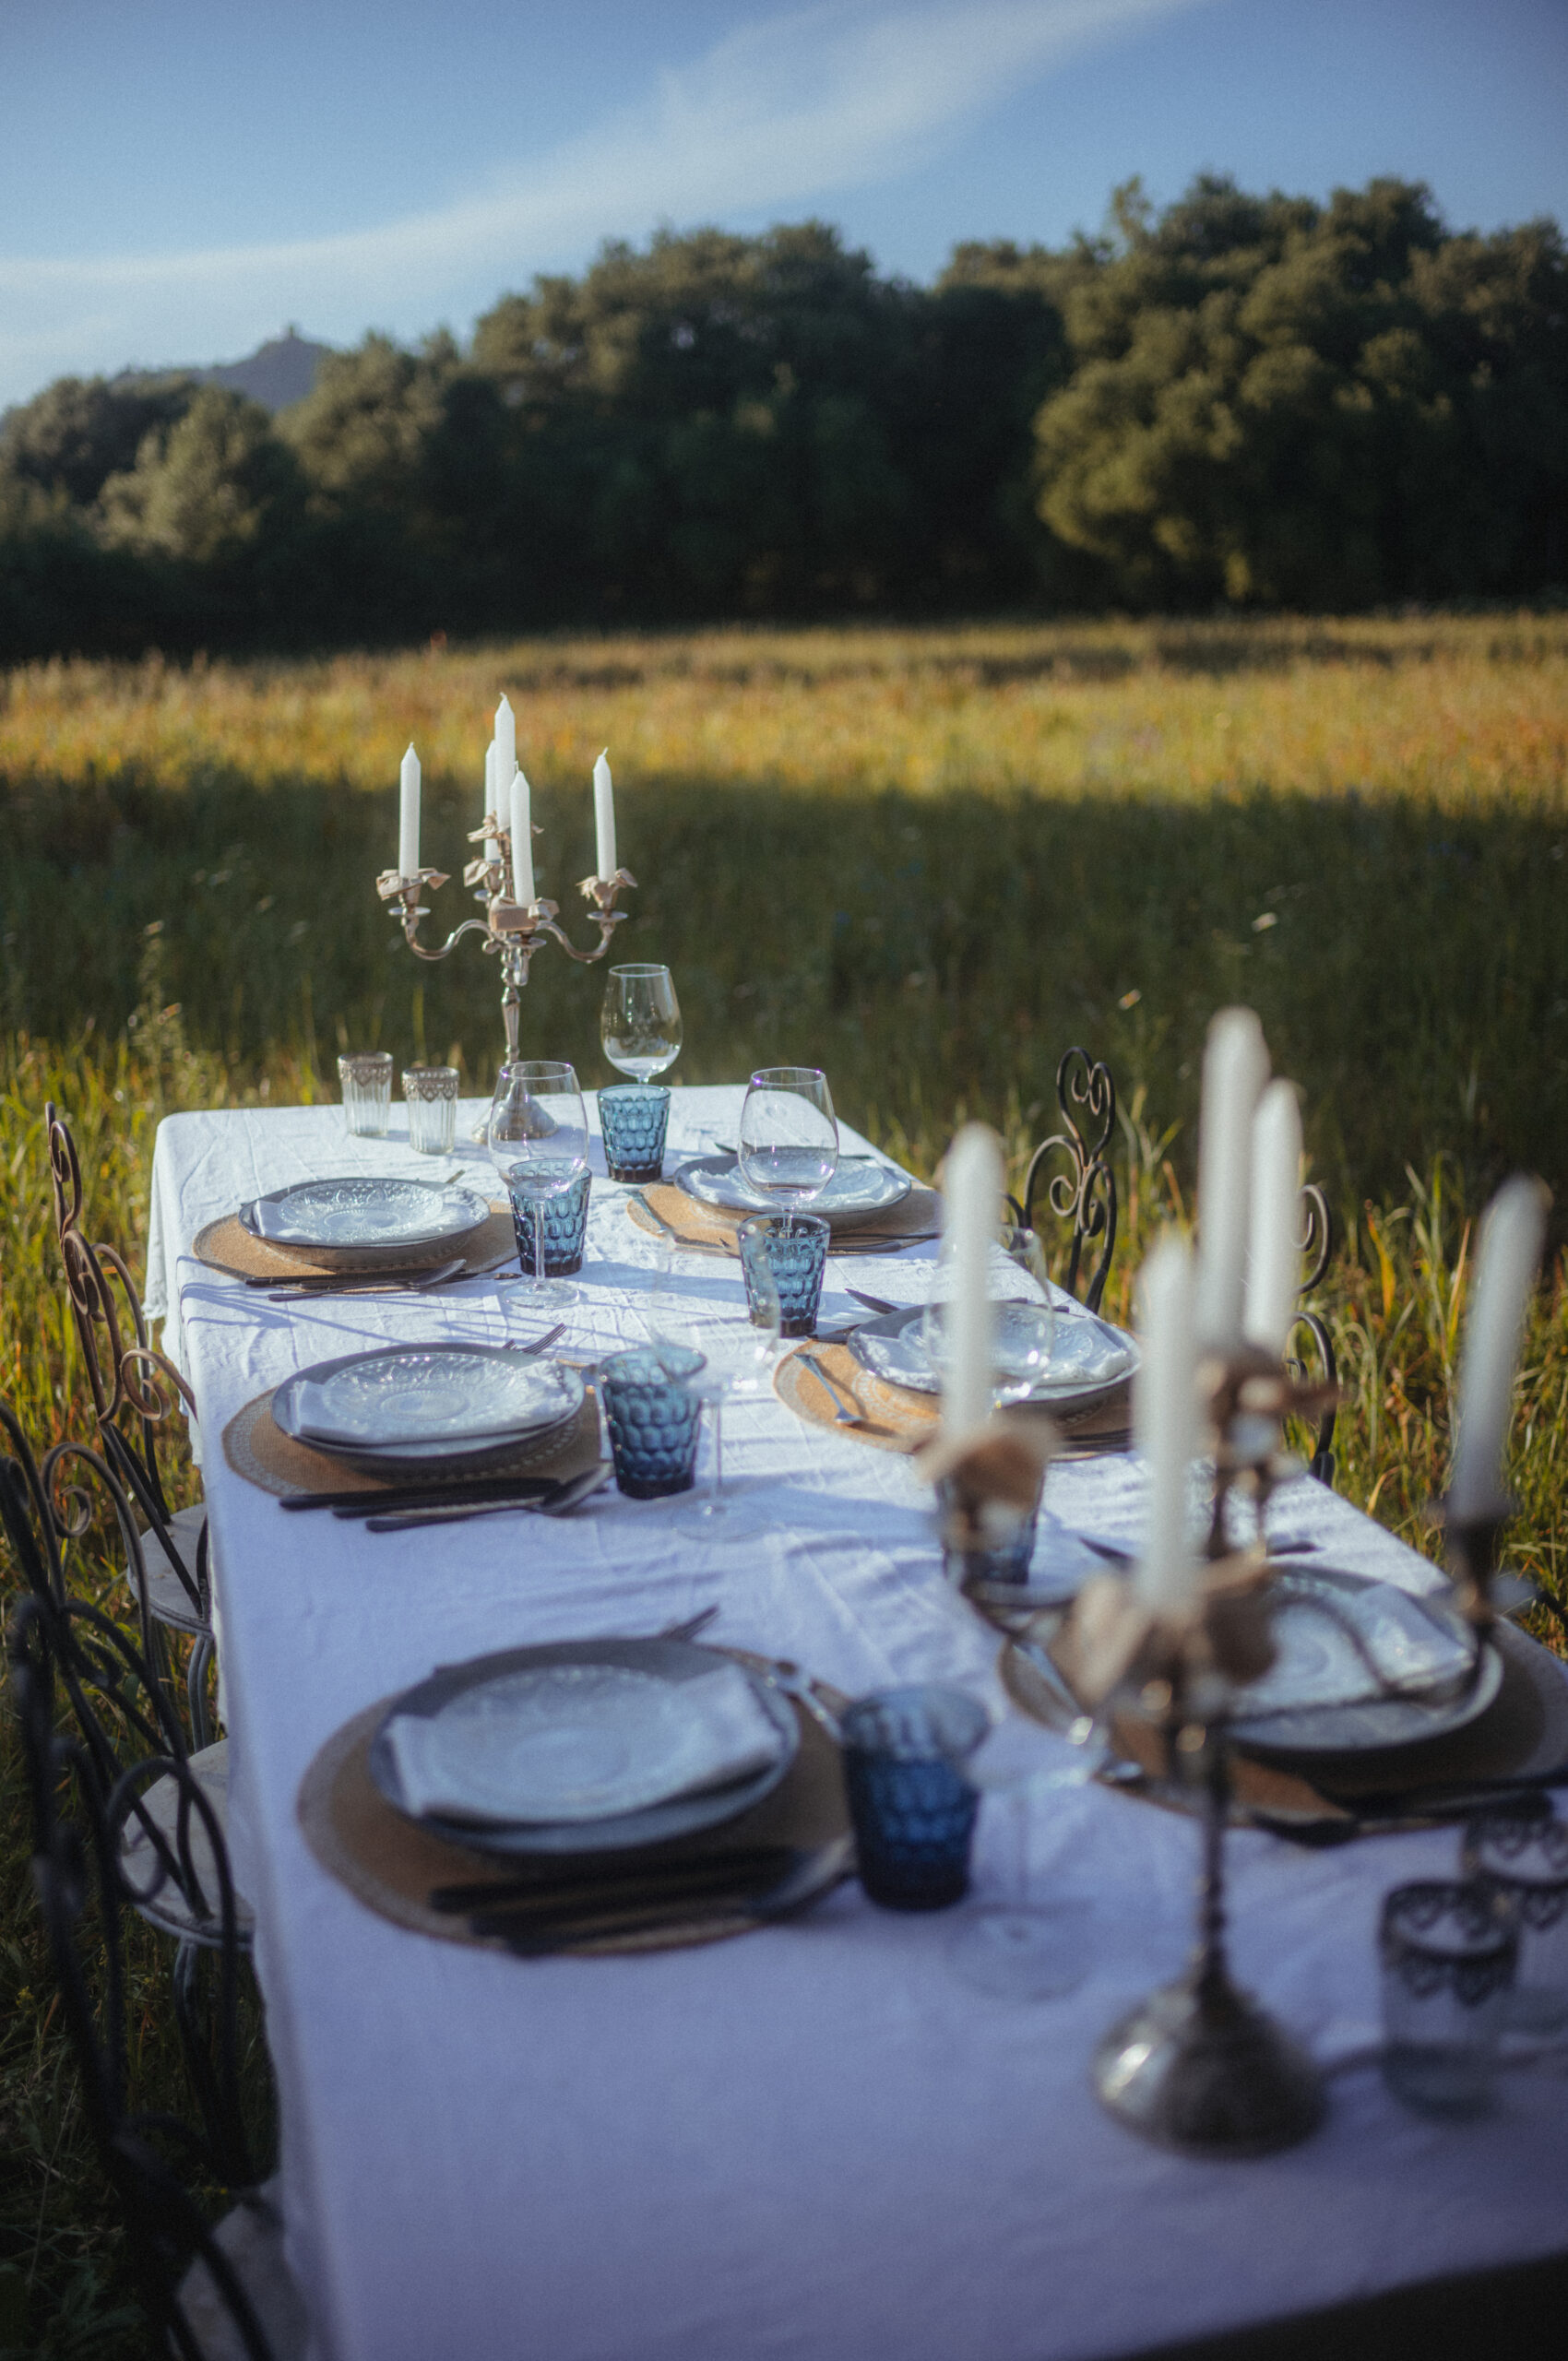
x: 847, y: 1411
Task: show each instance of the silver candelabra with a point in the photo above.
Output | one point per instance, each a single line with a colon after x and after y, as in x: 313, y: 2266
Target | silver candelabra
x: 511, y: 930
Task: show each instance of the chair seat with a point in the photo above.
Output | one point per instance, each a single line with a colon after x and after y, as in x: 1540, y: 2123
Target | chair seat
x: 250, y: 2239
x: 166, y: 1907
x: 167, y: 1598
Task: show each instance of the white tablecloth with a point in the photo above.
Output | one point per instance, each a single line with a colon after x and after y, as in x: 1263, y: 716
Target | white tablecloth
x: 813, y: 2141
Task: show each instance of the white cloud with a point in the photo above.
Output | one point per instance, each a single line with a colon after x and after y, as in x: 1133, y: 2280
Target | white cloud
x: 783, y: 111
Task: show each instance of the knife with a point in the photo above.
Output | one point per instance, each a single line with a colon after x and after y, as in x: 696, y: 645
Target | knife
x: 347, y: 1282
x: 586, y: 1887
x: 399, y: 1496
x: 561, y: 1498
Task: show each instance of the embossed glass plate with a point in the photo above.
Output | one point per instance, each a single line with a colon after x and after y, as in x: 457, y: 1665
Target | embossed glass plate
x: 416, y: 1402
x: 586, y: 1746
x: 1087, y: 1355
x: 363, y: 1213
x: 859, y: 1190
x: 1361, y: 1665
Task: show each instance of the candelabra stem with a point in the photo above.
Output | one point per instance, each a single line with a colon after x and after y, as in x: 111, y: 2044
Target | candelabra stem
x: 1198, y: 2066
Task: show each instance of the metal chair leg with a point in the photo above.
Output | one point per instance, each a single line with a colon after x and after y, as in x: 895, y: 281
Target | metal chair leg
x: 195, y: 1692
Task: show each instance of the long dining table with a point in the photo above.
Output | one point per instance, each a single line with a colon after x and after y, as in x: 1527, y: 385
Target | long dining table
x: 814, y: 2139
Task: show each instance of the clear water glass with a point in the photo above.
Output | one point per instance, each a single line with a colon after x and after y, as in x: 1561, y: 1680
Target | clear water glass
x: 789, y: 1135
x: 1017, y: 1948
x: 538, y: 1138
x: 365, y: 1081
x: 430, y: 1093
x: 1449, y: 1954
x: 1524, y: 1858
x: 639, y: 1024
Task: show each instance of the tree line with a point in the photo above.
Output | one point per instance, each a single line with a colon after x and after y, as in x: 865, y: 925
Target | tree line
x: 1239, y: 401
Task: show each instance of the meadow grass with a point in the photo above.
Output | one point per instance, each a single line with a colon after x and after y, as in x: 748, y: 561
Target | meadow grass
x: 928, y: 860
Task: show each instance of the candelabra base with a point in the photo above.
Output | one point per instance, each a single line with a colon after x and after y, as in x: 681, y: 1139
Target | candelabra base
x: 1199, y: 2068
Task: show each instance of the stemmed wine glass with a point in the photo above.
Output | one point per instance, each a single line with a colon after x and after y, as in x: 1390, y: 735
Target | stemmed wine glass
x: 1021, y: 1335
x: 639, y: 1024
x: 737, y: 1356
x: 1016, y: 1949
x: 538, y: 1138
x: 789, y: 1136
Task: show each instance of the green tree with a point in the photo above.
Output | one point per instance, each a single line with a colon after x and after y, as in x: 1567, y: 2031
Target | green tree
x: 79, y: 432
x: 1274, y: 402
x: 206, y: 490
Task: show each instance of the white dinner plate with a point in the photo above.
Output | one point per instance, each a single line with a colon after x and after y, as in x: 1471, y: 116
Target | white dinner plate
x: 859, y: 1191
x: 1361, y: 1665
x: 357, y: 1214
x: 410, y: 1404
x: 584, y: 1746
x: 1088, y: 1358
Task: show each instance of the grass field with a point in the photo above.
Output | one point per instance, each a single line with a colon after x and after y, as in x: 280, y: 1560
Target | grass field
x: 926, y: 860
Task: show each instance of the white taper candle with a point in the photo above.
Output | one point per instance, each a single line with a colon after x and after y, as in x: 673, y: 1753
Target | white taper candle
x: 522, y: 838
x: 1274, y: 1260
x: 604, y: 817
x: 1235, y: 1069
x: 408, y: 816
x: 492, y: 805
x: 1512, y: 1236
x: 505, y: 742
x: 1165, y: 1421
x: 972, y: 1191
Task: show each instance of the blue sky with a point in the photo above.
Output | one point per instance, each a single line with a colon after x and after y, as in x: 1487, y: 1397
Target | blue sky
x: 179, y: 178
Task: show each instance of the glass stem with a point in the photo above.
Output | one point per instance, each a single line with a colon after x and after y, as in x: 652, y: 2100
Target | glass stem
x: 1021, y: 1848
x: 716, y: 1489
x: 538, y: 1241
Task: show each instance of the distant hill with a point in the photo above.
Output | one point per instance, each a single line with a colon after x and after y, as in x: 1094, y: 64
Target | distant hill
x: 279, y: 372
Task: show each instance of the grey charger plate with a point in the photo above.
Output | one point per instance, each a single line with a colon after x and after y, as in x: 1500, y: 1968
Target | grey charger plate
x: 418, y: 1459
x: 1375, y: 1724
x: 883, y: 1346
x: 862, y: 1189
x: 676, y: 1660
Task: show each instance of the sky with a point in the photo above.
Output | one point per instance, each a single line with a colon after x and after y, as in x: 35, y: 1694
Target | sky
x: 180, y: 179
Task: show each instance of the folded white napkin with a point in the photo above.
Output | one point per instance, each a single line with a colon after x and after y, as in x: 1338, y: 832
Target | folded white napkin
x: 1319, y: 1664
x: 581, y: 1759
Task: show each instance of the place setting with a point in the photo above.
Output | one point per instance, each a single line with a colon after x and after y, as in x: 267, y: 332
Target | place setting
x: 785, y: 1156
x: 604, y: 1795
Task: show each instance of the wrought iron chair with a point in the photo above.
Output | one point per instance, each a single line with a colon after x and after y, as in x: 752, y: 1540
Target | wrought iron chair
x: 173, y: 1868
x: 213, y: 2292
x: 1317, y: 1246
x: 1083, y: 1192
x: 135, y: 1393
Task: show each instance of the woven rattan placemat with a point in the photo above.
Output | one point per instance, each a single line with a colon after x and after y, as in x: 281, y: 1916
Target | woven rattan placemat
x: 257, y: 1449
x: 391, y: 1863
x: 227, y: 1245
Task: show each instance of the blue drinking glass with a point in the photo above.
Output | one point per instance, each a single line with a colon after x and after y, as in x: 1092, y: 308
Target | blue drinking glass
x: 634, y: 1118
x: 565, y: 1227
x: 653, y: 1418
x: 1005, y: 1559
x: 913, y: 1808
x: 794, y: 1247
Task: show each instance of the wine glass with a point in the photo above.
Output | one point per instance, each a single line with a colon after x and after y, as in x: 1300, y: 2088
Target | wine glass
x: 789, y: 1137
x: 538, y: 1138
x: 639, y: 1024
x: 1021, y: 1334
x: 737, y: 1356
x: 1016, y: 1949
